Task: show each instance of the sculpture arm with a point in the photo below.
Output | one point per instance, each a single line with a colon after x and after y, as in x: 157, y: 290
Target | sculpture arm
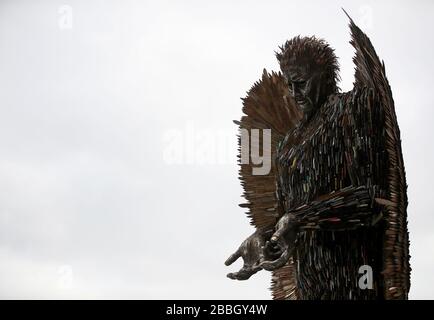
x: 347, y: 208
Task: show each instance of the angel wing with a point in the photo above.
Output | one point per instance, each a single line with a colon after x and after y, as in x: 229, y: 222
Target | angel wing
x: 267, y: 106
x: 370, y: 72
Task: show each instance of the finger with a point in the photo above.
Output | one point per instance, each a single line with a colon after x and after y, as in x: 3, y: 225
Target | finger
x: 271, y: 248
x: 275, y: 247
x: 243, y: 274
x: 271, y: 245
x: 273, y: 252
x: 275, y: 238
x: 234, y: 257
x: 276, y: 264
x: 276, y: 253
x: 240, y: 275
x: 232, y: 275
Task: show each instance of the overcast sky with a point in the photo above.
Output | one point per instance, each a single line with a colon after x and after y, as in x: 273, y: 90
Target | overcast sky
x: 118, y: 175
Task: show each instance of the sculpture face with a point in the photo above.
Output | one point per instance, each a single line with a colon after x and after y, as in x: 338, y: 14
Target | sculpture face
x: 305, y: 88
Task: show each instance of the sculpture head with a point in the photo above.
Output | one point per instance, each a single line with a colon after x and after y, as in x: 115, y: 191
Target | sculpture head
x: 311, y: 70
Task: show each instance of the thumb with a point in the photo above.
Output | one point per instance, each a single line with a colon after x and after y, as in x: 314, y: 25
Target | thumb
x: 277, y: 236
x: 234, y: 257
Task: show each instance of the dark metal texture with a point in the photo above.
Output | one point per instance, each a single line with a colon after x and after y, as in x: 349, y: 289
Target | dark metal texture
x: 335, y: 198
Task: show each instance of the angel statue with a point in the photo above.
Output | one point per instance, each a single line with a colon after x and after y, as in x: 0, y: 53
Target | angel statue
x: 331, y: 215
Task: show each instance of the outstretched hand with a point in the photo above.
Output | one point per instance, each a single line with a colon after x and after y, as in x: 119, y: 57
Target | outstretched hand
x: 252, y: 252
x: 282, y: 243
x: 265, y: 249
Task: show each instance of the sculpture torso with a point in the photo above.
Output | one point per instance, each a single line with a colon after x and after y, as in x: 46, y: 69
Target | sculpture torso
x: 342, y: 145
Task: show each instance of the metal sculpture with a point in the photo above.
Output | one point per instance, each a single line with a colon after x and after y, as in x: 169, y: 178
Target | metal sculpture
x: 335, y: 198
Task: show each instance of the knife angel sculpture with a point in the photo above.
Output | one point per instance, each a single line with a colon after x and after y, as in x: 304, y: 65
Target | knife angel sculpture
x: 331, y: 214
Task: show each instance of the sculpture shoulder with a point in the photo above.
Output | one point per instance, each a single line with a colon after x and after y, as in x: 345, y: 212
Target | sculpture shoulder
x: 358, y: 108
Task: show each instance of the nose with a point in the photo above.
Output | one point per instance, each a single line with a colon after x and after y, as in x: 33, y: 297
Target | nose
x: 296, y: 94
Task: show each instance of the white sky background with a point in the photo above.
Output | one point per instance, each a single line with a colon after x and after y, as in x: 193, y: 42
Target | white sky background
x: 118, y: 175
